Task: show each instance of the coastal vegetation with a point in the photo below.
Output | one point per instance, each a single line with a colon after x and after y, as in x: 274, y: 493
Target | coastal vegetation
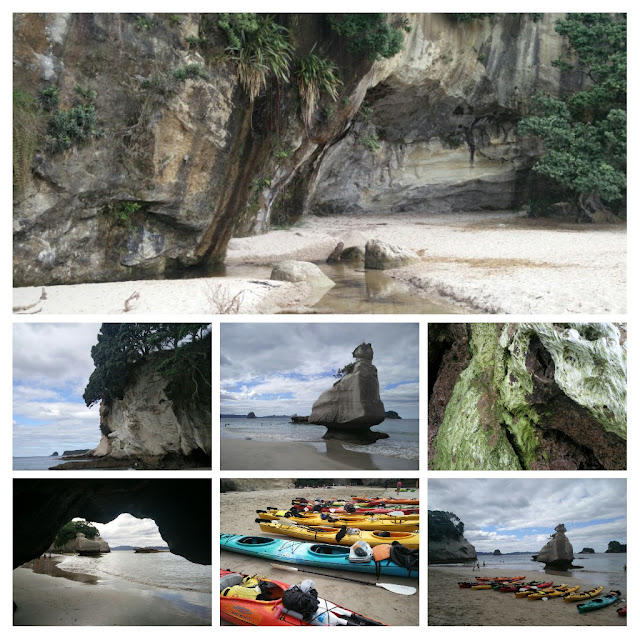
x: 182, y: 352
x: 71, y: 529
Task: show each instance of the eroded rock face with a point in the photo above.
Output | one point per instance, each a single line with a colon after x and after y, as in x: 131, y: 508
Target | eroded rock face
x: 558, y: 552
x: 451, y: 550
x: 146, y: 422
x: 178, y: 507
x: 528, y: 396
x: 453, y: 85
x: 82, y: 544
x: 353, y: 404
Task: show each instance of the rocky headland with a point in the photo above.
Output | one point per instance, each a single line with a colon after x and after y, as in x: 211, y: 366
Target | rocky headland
x: 616, y: 547
x: 446, y: 540
x: 352, y: 406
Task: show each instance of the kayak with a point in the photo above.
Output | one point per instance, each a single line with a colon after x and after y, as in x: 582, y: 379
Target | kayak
x: 531, y: 586
x: 368, y: 510
x: 512, y: 579
x: 328, y: 556
x: 584, y: 595
x: 598, y: 603
x: 387, y: 500
x: 528, y: 592
x: 553, y: 592
x: 390, y: 514
x: 240, y: 607
x: 338, y: 535
x: 379, y: 523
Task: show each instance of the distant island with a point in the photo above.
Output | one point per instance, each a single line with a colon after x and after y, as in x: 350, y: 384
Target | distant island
x: 128, y: 547
x: 587, y: 550
x: 235, y: 415
x: 392, y: 415
x: 616, y: 547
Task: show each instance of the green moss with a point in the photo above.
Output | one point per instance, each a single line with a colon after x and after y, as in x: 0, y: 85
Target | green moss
x: 471, y: 434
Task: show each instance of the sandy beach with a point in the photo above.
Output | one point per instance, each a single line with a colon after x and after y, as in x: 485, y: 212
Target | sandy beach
x: 47, y: 600
x: 485, y: 262
x: 450, y: 605
x: 238, y: 514
x: 301, y: 456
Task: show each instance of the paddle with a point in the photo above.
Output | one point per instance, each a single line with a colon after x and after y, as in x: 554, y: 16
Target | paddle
x: 400, y: 589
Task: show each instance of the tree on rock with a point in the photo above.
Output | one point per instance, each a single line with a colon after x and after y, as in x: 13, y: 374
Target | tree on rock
x: 71, y: 529
x: 585, y: 135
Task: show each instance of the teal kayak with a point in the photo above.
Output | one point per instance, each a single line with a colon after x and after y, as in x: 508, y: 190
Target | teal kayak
x: 327, y: 556
x: 597, y: 603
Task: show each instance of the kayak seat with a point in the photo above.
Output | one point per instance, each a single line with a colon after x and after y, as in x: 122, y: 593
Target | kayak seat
x: 254, y: 540
x: 230, y: 580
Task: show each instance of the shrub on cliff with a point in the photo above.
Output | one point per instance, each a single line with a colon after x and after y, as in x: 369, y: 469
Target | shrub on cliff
x: 369, y: 33
x: 585, y: 135
x: 444, y: 525
x: 183, y: 351
x: 73, y: 527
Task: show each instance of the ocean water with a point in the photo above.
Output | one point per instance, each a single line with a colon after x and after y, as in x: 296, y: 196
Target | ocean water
x: 598, y: 568
x: 401, y: 443
x: 184, y: 583
x: 36, y: 463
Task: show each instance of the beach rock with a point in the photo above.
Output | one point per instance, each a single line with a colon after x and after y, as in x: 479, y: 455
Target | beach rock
x: 392, y: 415
x: 352, y: 254
x: 179, y: 507
x: 558, y: 552
x: 497, y: 552
x: 353, y: 404
x: 83, y: 545
x: 382, y: 255
x: 299, y: 271
x: 251, y: 414
x: 616, y: 547
x: 587, y: 550
x: 55, y: 453
x: 336, y: 253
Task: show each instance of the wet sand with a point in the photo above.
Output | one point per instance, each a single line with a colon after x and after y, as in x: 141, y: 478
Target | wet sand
x: 302, y: 456
x: 45, y: 600
x: 450, y: 605
x: 237, y: 516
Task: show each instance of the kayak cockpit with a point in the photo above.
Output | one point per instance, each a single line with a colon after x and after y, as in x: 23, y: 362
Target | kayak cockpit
x: 328, y: 550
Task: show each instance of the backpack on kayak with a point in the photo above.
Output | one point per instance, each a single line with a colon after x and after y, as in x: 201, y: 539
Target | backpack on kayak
x: 405, y: 557
x: 360, y: 552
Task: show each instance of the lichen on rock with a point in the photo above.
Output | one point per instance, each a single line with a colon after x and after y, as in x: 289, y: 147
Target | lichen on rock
x: 538, y: 396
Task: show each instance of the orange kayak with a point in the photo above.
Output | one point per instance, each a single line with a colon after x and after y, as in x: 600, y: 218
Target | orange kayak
x: 239, y: 606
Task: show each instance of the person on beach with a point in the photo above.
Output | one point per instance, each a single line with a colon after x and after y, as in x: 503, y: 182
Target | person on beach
x: 398, y: 487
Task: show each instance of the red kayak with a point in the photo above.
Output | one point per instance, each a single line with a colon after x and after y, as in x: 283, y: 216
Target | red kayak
x: 238, y: 605
x: 530, y: 586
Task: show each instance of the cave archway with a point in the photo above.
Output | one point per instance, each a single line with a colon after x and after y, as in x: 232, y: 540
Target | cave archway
x: 181, y: 509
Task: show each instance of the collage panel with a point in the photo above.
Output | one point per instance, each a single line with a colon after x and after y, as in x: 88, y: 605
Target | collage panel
x: 112, y: 396
x: 103, y: 552
x: 321, y: 396
x: 527, y: 551
x: 321, y: 552
x: 532, y: 396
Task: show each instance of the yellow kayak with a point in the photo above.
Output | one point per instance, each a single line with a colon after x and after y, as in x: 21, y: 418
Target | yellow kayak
x: 554, y: 592
x: 367, y: 523
x: 585, y: 595
x: 338, y: 535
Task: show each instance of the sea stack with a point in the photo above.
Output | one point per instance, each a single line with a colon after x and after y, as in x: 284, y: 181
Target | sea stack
x: 353, y: 404
x: 558, y: 552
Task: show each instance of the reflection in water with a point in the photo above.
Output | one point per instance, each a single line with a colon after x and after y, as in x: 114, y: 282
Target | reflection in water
x: 357, y: 290
x: 49, y: 567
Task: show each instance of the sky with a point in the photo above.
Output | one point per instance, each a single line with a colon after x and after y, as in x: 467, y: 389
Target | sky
x: 127, y: 530
x: 281, y: 369
x: 520, y: 514
x: 51, y: 367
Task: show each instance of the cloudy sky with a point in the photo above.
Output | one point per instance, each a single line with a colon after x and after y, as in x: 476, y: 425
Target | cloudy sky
x: 127, y: 530
x: 51, y: 367
x: 520, y: 515
x: 280, y: 369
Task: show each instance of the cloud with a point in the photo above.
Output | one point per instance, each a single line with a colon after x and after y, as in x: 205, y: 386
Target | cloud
x: 280, y: 369
x: 522, y: 513
x: 127, y: 530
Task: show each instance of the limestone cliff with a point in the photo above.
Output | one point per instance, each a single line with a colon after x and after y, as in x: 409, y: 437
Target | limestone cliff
x: 146, y: 423
x: 179, y: 160
x: 83, y: 545
x: 528, y: 396
x: 446, y: 540
x: 353, y: 404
